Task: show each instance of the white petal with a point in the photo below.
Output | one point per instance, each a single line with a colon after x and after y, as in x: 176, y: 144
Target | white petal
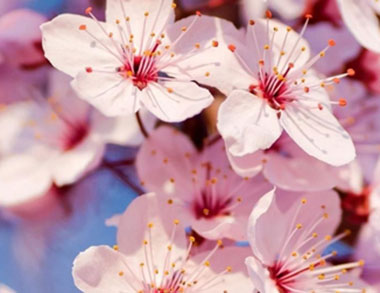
x: 184, y: 100
x: 110, y: 93
x: 319, y: 134
x: 247, y: 123
x: 72, y: 50
x: 160, y: 12
x: 361, y: 19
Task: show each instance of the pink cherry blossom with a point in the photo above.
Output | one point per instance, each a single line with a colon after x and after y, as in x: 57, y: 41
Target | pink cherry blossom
x: 54, y: 140
x: 287, y: 166
x: 153, y: 255
x: 288, y: 234
x: 213, y: 200
x: 138, y: 57
x: 360, y: 16
x: 282, y: 92
x: 21, y: 56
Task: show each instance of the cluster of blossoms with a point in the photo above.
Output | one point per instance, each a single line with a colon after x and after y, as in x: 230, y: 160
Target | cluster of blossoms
x: 255, y: 150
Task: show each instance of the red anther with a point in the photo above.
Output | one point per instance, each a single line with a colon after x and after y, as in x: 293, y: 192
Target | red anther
x: 215, y: 44
x: 198, y: 13
x: 342, y: 102
x: 252, y: 87
x: 268, y: 14
x: 336, y: 80
x: 282, y: 106
x: 88, y: 10
x: 308, y: 16
x: 306, y: 89
x: 251, y: 22
x: 88, y: 69
x: 291, y: 65
x: 350, y: 72
x: 82, y: 27
x: 331, y: 43
x: 261, y: 62
x: 320, y: 106
x: 232, y: 47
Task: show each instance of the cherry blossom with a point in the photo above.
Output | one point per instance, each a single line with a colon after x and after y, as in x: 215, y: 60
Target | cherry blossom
x: 360, y: 16
x: 213, y: 200
x: 282, y: 92
x: 153, y: 255
x: 54, y: 140
x: 138, y: 57
x: 303, y: 226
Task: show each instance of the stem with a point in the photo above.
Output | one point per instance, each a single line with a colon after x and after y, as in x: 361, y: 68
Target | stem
x: 125, y: 162
x: 123, y: 177
x: 141, y: 125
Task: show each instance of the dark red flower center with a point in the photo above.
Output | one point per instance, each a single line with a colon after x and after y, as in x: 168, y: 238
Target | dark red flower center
x: 75, y: 136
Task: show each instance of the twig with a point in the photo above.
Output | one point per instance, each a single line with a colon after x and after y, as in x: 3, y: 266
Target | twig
x: 141, y: 125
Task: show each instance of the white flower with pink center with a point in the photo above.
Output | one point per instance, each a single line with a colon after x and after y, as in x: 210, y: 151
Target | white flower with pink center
x: 54, y: 140
x: 278, y: 90
x: 361, y: 18
x: 213, y: 200
x: 138, y: 58
x: 153, y: 255
x: 289, y: 234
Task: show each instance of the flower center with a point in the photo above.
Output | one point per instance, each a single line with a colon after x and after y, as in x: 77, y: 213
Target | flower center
x: 208, y: 206
x: 75, y: 136
x: 356, y: 206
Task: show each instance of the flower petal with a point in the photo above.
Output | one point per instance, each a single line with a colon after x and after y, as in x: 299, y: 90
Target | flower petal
x: 72, y: 50
x: 362, y: 21
x: 111, y: 94
x: 175, y: 101
x: 247, y: 123
x: 98, y: 269
x: 161, y: 13
x: 319, y: 134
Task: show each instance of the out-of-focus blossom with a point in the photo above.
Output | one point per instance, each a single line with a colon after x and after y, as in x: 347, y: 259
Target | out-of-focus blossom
x: 20, y: 54
x: 303, y: 226
x: 279, y: 90
x: 287, y: 166
x: 360, y: 16
x: 55, y: 139
x: 6, y: 289
x: 153, y: 255
x: 213, y: 200
x: 366, y: 67
x: 319, y: 34
x: 368, y: 245
x: 287, y: 9
x: 138, y: 57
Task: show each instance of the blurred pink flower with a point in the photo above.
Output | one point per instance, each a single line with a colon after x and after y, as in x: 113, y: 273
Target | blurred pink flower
x: 288, y: 234
x: 212, y: 199
x: 153, y: 255
x: 360, y: 16
x: 20, y: 54
x: 54, y: 140
x: 138, y: 57
x: 287, y: 166
x: 278, y: 89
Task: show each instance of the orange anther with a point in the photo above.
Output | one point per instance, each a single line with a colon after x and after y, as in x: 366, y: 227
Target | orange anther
x: 251, y: 22
x: 336, y: 80
x: 88, y: 10
x: 350, y: 72
x: 342, y: 102
x: 198, y: 13
x: 268, y: 14
x: 215, y: 44
x: 232, y: 47
x: 308, y: 16
x: 82, y: 27
x: 331, y: 43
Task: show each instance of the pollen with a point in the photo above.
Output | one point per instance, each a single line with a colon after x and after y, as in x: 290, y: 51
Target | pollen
x: 232, y: 48
x: 350, y: 72
x: 342, y: 102
x: 215, y: 43
x: 88, y: 10
x: 268, y: 14
x: 82, y: 27
x: 251, y: 22
x: 331, y: 43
